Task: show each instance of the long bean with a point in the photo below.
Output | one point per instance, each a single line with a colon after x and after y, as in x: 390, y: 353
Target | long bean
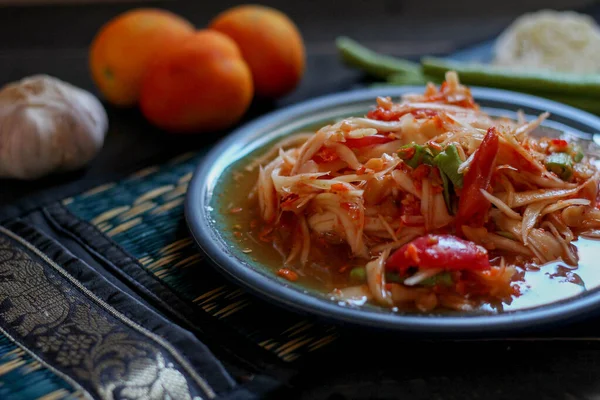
x: 417, y: 78
x: 526, y: 81
x: 580, y: 91
x: 583, y: 102
x: 375, y: 64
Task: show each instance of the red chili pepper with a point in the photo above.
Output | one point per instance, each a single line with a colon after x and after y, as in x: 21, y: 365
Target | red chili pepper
x: 367, y: 141
x: 339, y: 187
x: 288, y: 274
x: 439, y: 251
x: 382, y: 114
x: 411, y: 205
x: 472, y: 205
x: 407, y: 153
x: 288, y: 201
x: 325, y: 154
x: 352, y: 209
x: 265, y: 235
x: 559, y: 144
x: 434, y: 146
x: 443, y: 95
x: 421, y: 172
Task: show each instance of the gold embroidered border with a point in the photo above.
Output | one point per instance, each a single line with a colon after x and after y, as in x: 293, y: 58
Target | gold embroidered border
x: 82, y: 339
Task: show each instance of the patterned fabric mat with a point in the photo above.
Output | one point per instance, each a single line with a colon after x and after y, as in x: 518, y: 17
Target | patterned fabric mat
x: 144, y: 214
x: 57, y: 309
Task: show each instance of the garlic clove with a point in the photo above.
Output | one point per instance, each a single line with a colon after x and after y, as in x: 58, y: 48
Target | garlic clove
x: 48, y: 125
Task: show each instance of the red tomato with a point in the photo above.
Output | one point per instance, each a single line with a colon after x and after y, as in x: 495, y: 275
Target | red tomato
x: 439, y: 251
x: 559, y: 144
x: 472, y: 205
x: 367, y: 141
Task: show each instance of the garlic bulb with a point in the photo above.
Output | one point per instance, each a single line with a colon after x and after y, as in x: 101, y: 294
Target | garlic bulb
x: 48, y: 125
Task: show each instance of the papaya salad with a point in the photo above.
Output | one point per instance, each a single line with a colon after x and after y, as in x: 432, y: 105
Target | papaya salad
x: 424, y: 204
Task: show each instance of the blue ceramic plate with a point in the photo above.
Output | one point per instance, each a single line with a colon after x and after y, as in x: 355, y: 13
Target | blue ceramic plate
x: 207, y: 218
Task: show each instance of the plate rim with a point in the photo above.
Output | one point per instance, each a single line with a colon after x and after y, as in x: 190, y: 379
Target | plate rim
x: 197, y: 218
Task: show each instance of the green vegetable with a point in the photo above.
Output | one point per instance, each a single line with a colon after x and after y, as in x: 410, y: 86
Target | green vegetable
x: 448, y: 162
x: 393, y: 277
x: 539, y: 81
x: 560, y: 164
x: 378, y: 65
x: 412, y: 78
x: 577, y: 90
x: 414, y: 155
x: 358, y: 274
x: 576, y: 153
x: 507, y: 235
x: 447, y: 189
x: 442, y: 279
x: 584, y: 102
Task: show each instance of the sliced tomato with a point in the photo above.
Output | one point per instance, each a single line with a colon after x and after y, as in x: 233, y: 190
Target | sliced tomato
x: 367, y: 141
x: 439, y: 251
x: 472, y: 205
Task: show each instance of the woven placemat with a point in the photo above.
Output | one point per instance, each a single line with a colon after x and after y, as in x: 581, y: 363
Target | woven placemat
x: 145, y: 215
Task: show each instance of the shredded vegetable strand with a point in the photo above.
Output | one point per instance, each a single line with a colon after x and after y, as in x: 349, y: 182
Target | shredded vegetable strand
x: 421, y: 276
x: 501, y: 205
x: 560, y: 204
x: 532, y: 196
x: 305, y: 240
x: 527, y: 128
x: 289, y: 141
x: 376, y: 279
x: 466, y: 164
x: 560, y: 225
x: 346, y: 155
x: 569, y: 256
x: 388, y: 228
x: 530, y: 218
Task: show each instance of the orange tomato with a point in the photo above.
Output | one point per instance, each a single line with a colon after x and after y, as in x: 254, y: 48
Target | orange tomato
x: 270, y: 43
x: 124, y: 47
x: 202, y: 84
